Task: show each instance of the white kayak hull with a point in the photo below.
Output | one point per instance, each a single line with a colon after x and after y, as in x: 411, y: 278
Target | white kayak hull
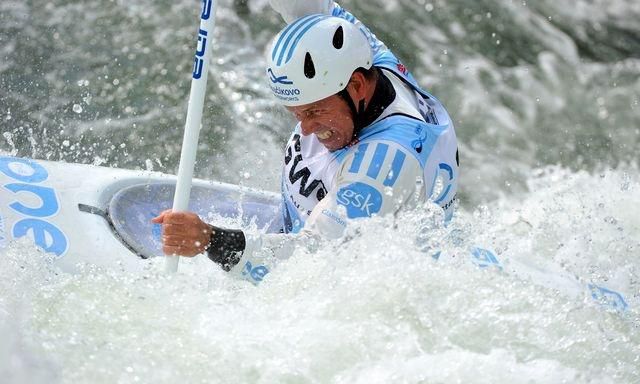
x: 63, y: 209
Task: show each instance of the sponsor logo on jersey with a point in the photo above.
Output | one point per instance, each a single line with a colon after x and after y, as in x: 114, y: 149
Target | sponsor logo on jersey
x: 402, y: 69
x: 417, y: 144
x: 360, y: 199
x: 334, y: 216
x: 303, y: 174
x: 27, y: 176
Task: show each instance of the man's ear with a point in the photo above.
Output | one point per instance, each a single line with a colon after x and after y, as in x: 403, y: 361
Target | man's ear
x: 357, y: 86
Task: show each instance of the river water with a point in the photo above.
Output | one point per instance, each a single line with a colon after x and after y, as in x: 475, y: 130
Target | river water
x: 546, y: 100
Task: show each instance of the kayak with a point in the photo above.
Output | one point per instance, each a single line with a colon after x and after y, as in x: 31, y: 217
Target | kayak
x: 101, y: 216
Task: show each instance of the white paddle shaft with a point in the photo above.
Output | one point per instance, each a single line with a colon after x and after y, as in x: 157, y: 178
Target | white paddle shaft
x: 194, y: 117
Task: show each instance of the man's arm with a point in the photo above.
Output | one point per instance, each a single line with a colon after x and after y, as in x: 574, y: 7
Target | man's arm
x: 377, y: 178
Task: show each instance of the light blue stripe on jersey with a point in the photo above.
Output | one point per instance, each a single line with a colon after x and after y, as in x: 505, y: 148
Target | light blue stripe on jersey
x: 378, y: 159
x: 358, y: 157
x: 285, y: 33
x: 396, y: 166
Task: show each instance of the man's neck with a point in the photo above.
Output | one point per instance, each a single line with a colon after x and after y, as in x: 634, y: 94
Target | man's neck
x: 379, y: 97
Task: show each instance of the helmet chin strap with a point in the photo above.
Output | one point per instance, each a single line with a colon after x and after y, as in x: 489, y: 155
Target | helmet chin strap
x: 356, y: 113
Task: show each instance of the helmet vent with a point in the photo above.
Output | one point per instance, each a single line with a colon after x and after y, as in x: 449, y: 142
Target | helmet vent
x: 309, y: 68
x: 338, y: 38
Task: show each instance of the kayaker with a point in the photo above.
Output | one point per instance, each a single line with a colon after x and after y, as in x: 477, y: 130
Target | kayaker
x: 366, y: 132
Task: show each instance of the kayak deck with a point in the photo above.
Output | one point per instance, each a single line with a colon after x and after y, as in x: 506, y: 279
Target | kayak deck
x: 131, y: 209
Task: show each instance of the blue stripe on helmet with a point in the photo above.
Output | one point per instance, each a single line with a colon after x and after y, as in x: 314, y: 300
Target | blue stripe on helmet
x: 306, y: 24
x: 299, y: 36
x: 284, y: 33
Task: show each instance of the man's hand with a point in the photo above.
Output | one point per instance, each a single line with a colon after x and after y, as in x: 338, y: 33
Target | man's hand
x: 183, y: 233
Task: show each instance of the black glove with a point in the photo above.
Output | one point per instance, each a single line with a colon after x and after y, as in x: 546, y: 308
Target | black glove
x: 226, y: 247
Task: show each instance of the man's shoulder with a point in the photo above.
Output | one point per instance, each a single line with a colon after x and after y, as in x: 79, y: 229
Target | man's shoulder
x: 413, y: 135
x: 375, y: 177
x: 377, y: 159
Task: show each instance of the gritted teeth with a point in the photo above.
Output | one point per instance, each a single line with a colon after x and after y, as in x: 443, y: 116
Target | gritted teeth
x: 324, y: 135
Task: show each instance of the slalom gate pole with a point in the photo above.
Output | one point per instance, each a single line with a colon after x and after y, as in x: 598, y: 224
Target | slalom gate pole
x: 194, y: 117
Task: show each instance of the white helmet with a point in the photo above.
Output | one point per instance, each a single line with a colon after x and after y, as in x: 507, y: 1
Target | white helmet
x: 314, y: 58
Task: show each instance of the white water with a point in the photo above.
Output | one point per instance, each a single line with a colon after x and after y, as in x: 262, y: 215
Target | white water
x: 354, y: 312
x: 530, y: 85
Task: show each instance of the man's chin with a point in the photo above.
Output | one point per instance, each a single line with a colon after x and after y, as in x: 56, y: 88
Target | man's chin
x: 333, y: 146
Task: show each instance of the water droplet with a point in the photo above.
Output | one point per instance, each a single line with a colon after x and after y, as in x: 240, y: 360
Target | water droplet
x: 97, y: 160
x: 77, y: 108
x: 626, y: 182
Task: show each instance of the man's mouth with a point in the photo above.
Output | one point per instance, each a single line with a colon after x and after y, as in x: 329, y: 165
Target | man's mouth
x: 324, y: 135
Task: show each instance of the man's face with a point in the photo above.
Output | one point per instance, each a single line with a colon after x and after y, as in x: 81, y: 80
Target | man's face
x: 329, y: 119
